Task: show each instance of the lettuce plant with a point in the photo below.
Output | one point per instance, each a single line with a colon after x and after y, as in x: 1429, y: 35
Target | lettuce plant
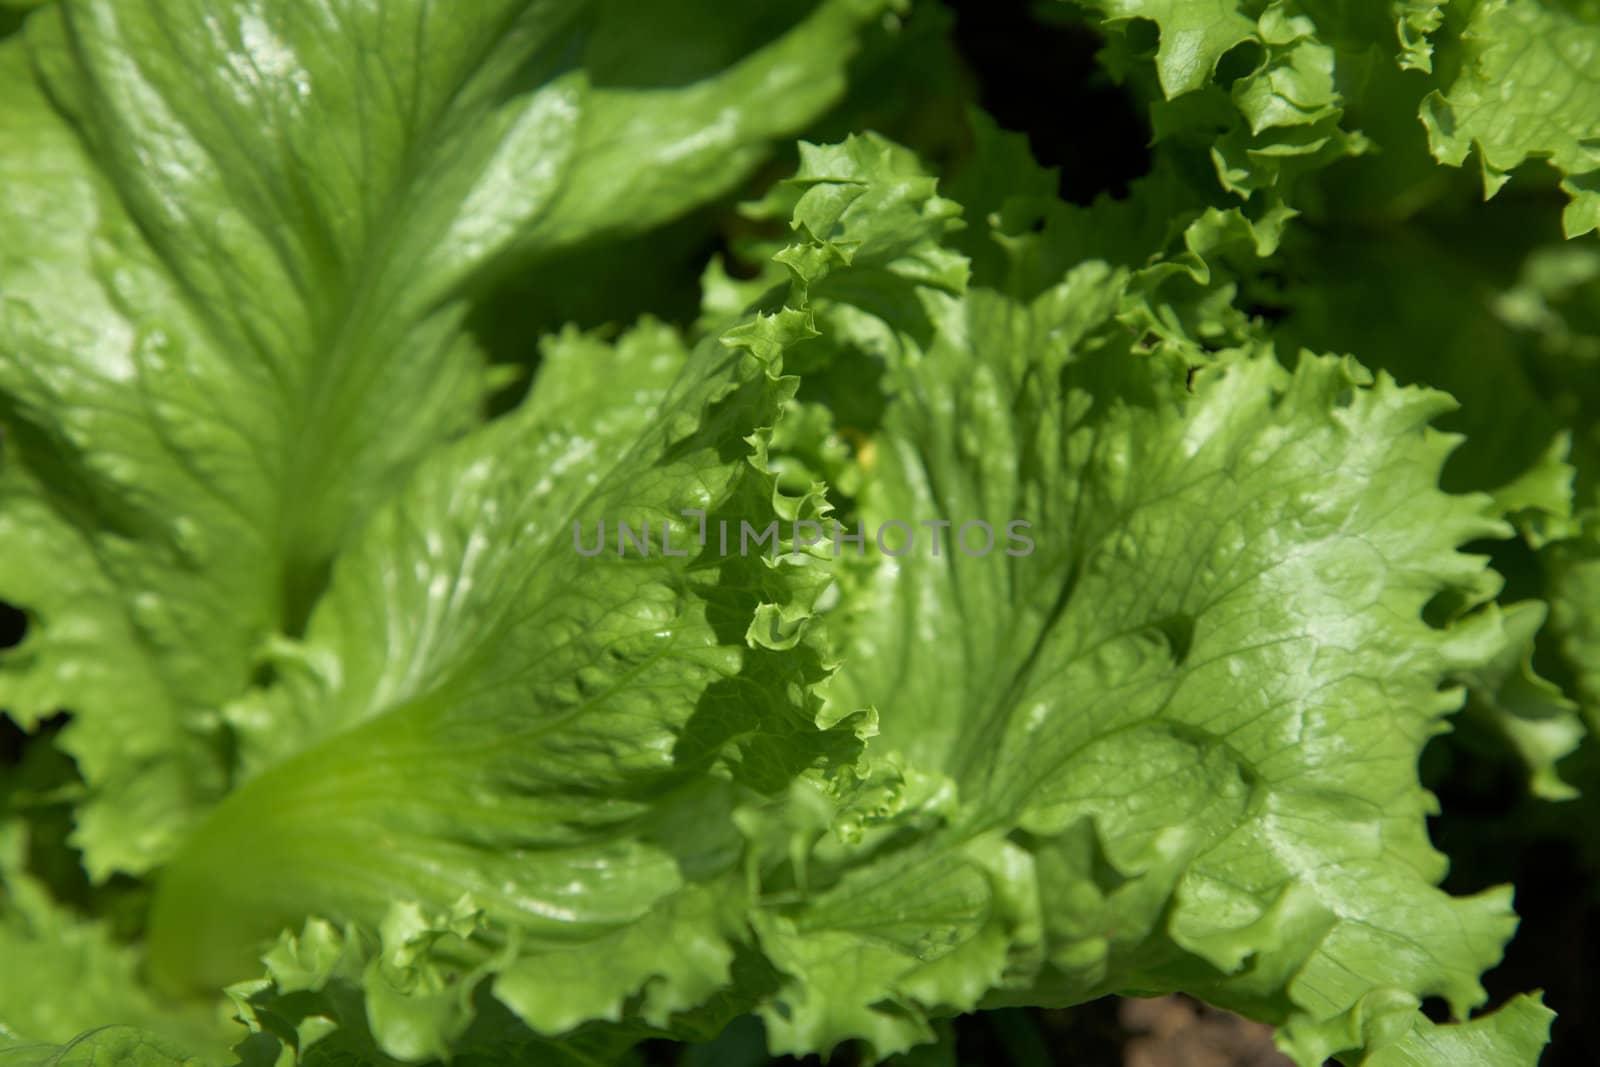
x: 984, y: 601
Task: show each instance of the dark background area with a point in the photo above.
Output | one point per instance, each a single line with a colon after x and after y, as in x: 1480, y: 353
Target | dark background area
x: 1041, y: 78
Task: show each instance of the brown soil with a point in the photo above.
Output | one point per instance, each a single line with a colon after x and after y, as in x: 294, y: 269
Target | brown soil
x: 1179, y: 1032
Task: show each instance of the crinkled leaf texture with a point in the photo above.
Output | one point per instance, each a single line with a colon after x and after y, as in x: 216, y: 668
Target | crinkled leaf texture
x: 1405, y: 300
x: 516, y: 799
x: 548, y: 737
x: 1277, y: 90
x: 1395, y: 268
x: 1174, y: 745
x: 1516, y: 1033
x: 1529, y: 87
x: 232, y: 301
x: 64, y: 975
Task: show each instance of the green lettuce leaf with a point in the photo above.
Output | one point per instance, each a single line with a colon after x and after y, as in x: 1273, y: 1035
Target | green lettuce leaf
x: 1258, y: 91
x: 235, y: 289
x: 1527, y: 87
x: 50, y: 951
x: 1171, y: 741
x: 1412, y: 300
x: 1271, y: 93
x: 548, y: 738
x: 123, y: 1046
x: 418, y: 771
x: 1514, y: 1033
x: 1575, y: 610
